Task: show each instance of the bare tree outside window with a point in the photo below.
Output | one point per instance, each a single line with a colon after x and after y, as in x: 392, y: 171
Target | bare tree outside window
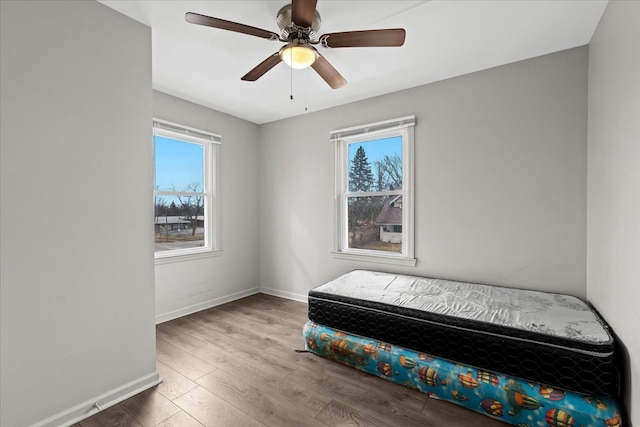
x: 180, y: 194
x: 389, y: 172
x: 373, y: 186
x: 192, y: 206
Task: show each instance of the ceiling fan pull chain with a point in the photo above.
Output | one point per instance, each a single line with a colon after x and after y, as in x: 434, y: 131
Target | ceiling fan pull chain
x: 306, y: 73
x: 291, y: 74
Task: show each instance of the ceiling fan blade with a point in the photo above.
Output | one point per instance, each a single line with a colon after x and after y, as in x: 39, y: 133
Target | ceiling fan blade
x: 328, y: 73
x: 262, y: 68
x: 196, y: 18
x: 367, y: 38
x: 303, y: 11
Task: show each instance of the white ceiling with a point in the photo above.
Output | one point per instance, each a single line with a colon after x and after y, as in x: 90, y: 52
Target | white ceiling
x: 444, y: 39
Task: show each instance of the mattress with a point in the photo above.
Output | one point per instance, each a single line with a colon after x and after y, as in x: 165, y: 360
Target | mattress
x: 509, y: 399
x: 548, y: 338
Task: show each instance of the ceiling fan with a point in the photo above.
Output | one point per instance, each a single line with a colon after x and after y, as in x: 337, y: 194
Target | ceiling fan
x: 299, y: 23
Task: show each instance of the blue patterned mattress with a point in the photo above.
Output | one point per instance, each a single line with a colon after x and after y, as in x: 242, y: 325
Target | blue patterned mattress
x: 509, y: 399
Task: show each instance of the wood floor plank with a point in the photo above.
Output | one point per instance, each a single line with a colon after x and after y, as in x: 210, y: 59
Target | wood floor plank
x: 263, y: 315
x: 113, y: 416
x: 193, y: 326
x: 181, y: 361
x: 181, y: 419
x: 241, y: 342
x: 290, y: 355
x: 255, y: 402
x: 284, y: 334
x: 338, y: 414
x: 270, y: 302
x: 239, y: 329
x: 173, y: 383
x: 367, y: 398
x: 217, y: 356
x: 334, y: 375
x: 173, y: 335
x: 270, y: 381
x: 212, y: 411
x: 228, y: 343
x: 149, y: 408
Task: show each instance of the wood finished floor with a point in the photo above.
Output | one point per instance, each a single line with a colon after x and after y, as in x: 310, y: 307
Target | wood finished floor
x: 234, y: 365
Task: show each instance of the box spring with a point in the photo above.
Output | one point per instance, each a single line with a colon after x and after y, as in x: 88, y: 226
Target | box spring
x: 509, y: 399
x: 551, y: 339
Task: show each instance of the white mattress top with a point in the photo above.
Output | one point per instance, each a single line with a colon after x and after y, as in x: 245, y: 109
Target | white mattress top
x: 547, y: 313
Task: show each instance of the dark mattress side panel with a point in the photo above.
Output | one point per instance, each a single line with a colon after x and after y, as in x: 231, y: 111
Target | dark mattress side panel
x: 555, y: 365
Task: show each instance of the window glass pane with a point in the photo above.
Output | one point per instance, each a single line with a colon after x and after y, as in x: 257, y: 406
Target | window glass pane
x: 179, y: 165
x: 178, y: 222
x: 375, y: 165
x: 375, y: 223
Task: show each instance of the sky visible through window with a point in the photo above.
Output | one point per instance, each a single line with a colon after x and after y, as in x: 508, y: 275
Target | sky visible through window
x: 178, y: 164
x: 376, y: 149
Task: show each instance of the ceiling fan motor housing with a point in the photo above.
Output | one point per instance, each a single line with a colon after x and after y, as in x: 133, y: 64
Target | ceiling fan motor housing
x: 289, y: 29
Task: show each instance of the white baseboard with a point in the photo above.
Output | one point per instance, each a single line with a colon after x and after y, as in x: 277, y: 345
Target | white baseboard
x: 284, y: 294
x: 165, y: 317
x: 104, y: 401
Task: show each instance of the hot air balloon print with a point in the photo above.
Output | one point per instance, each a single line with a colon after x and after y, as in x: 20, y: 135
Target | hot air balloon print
x: 518, y: 400
x: 492, y: 407
x: 341, y: 347
x: 429, y: 376
x: 383, y: 346
x: 558, y: 418
x: 595, y: 402
x: 467, y: 380
x: 458, y: 396
x: 369, y: 348
x: 613, y: 422
x: 405, y: 362
x: 488, y: 377
x: 311, y: 343
x: 551, y: 393
x: 385, y: 369
x: 425, y: 357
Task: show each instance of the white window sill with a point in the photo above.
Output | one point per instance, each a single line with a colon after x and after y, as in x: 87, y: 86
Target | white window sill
x: 168, y: 258
x: 376, y: 258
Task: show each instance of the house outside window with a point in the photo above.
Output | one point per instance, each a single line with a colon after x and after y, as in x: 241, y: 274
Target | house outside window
x: 374, y: 192
x: 185, y: 204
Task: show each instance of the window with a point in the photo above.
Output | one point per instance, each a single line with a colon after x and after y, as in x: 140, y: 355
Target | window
x: 184, y: 190
x: 374, y: 192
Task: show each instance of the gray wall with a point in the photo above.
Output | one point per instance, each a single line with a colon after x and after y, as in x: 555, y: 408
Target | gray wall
x: 185, y: 287
x: 613, y: 261
x: 501, y: 180
x: 500, y: 159
x: 77, y: 259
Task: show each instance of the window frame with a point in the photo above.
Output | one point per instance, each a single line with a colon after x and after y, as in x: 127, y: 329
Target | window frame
x: 343, y: 138
x: 210, y: 143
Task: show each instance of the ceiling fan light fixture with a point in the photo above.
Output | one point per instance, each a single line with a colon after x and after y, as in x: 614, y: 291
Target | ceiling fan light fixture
x: 298, y: 56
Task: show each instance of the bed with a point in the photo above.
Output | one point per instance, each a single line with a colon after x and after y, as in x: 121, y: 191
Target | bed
x: 525, y: 339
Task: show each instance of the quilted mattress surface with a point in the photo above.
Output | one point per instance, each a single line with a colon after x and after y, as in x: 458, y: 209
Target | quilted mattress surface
x: 544, y: 337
